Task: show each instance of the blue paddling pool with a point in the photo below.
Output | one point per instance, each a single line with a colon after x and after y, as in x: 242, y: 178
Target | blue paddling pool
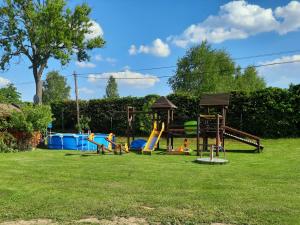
x: 75, y: 141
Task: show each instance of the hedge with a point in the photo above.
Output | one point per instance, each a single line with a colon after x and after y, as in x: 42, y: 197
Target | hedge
x: 272, y: 112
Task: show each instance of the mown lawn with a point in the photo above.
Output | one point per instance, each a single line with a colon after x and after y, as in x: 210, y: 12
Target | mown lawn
x: 252, y: 189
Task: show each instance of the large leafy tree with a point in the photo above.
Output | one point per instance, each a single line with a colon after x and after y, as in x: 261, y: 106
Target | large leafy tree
x: 55, y: 88
x: 249, y: 80
x: 9, y: 94
x: 44, y: 29
x: 203, y: 69
x: 111, y: 88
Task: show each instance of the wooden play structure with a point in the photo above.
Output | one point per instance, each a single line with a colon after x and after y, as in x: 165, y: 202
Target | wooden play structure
x: 213, y: 123
x: 210, y: 123
x: 161, y: 112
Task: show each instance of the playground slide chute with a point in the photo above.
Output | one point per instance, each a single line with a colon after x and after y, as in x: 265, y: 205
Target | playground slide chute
x: 154, y: 138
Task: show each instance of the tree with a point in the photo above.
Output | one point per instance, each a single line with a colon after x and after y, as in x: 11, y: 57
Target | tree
x: 45, y: 29
x: 55, y: 88
x: 203, y: 69
x: 9, y: 94
x: 249, y: 80
x: 111, y: 88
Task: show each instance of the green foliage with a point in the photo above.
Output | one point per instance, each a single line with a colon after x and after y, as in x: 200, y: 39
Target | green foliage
x: 31, y: 118
x: 249, y: 81
x: 55, y: 88
x: 207, y: 70
x: 41, y: 30
x: 84, y: 123
x: 145, y: 120
x: 9, y: 94
x: 203, y: 69
x: 111, y: 88
x: 7, y: 143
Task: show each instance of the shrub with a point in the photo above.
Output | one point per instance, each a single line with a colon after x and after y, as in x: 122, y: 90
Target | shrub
x: 7, y: 143
x: 27, y: 124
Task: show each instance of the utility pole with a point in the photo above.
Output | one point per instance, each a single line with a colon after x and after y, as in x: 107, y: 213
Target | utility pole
x: 76, y: 96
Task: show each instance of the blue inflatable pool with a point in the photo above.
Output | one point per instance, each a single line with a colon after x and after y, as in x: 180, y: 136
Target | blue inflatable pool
x: 75, y: 141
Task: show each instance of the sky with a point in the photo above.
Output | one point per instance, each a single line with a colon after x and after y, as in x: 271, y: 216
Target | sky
x: 143, y: 34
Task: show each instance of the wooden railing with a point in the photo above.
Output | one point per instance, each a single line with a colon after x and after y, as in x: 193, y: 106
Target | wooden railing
x: 241, y: 133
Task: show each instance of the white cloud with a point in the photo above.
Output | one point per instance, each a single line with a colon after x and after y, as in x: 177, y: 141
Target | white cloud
x: 126, y: 67
x: 98, y: 58
x: 95, y: 30
x: 110, y: 60
x: 157, y: 48
x: 290, y: 15
x: 4, y: 82
x: 132, y: 50
x: 85, y: 90
x: 281, y: 75
x: 85, y: 64
x: 127, y: 77
x: 239, y: 20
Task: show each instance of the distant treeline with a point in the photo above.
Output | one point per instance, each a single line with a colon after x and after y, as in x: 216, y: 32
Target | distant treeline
x: 271, y: 112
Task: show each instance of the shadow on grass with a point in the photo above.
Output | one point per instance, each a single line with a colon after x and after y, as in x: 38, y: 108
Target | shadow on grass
x: 241, y: 151
x: 81, y: 154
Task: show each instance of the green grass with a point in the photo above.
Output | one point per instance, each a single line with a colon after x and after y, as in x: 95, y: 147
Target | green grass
x: 251, y: 189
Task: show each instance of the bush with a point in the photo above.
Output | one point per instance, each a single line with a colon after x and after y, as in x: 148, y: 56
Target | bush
x: 7, y: 143
x: 27, y: 125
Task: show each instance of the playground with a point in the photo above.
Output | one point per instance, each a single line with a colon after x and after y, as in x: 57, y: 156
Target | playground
x: 211, y: 125
x: 170, y: 176
x: 251, y: 189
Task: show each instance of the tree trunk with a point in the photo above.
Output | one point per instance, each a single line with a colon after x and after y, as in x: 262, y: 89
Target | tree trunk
x: 38, y: 87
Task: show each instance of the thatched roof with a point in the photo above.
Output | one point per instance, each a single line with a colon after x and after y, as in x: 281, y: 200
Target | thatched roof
x: 7, y: 109
x: 163, y: 103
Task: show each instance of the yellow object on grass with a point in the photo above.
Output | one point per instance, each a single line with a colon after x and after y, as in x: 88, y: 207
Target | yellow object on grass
x: 154, y: 138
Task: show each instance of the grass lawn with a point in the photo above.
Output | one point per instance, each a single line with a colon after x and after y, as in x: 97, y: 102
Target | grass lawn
x: 252, y: 189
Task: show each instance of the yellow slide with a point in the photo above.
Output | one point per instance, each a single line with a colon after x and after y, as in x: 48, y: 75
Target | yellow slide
x: 154, y: 138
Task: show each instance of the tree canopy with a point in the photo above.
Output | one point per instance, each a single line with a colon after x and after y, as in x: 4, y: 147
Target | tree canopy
x: 55, y: 88
x: 249, y: 80
x: 111, y: 88
x: 9, y: 94
x: 207, y: 70
x: 44, y: 29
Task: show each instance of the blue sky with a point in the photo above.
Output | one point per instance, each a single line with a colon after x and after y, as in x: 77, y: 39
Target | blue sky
x: 145, y: 34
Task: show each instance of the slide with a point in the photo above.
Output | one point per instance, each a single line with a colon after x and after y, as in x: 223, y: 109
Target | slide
x: 243, y: 137
x: 154, y: 138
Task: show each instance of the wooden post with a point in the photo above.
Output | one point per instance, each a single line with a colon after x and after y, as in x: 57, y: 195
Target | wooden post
x: 217, y: 134
x: 198, y: 136
x: 76, y: 96
x: 223, y: 124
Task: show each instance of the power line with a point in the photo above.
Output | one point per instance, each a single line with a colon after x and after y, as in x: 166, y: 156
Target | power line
x: 234, y: 59
x: 205, y: 72
x: 159, y: 77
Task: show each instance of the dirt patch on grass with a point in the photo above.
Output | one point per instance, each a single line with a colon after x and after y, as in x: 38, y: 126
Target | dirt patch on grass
x: 115, y: 221
x: 30, y: 222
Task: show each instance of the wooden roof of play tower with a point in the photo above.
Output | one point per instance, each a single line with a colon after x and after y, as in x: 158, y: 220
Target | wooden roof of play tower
x: 163, y: 103
x: 215, y: 100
